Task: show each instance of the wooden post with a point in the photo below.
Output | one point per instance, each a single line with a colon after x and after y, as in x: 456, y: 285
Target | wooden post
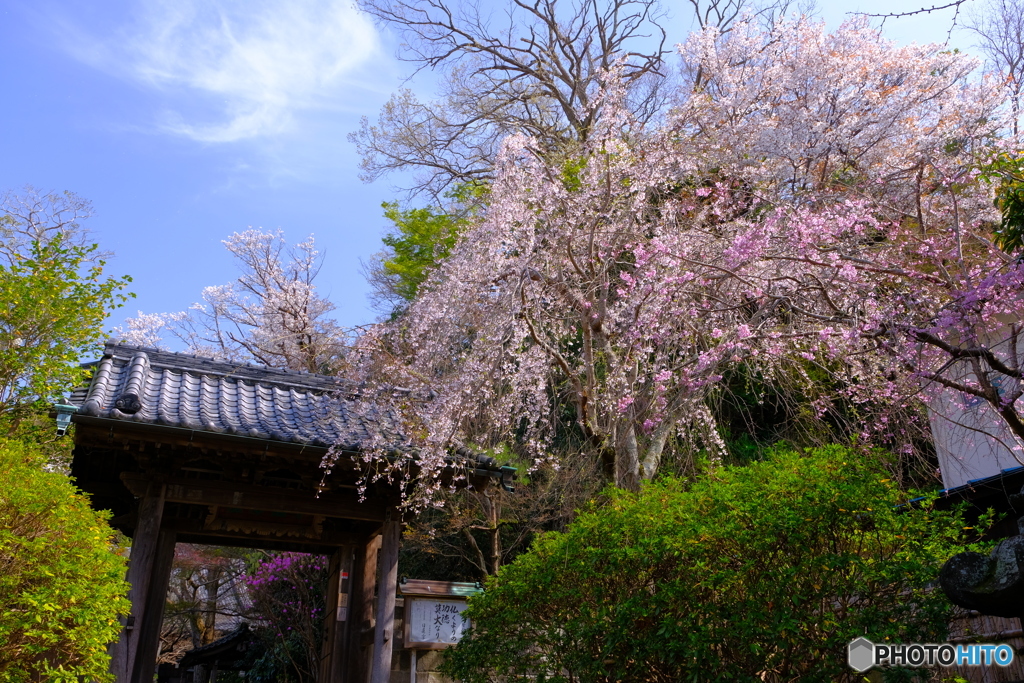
x: 364, y: 582
x: 140, y: 573
x: 338, y: 617
x: 148, y: 642
x: 387, y: 587
x: 327, y: 654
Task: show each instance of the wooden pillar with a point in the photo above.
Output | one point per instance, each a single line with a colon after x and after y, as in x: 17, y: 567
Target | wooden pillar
x: 140, y: 573
x: 387, y: 587
x: 327, y: 653
x: 364, y: 581
x: 338, y: 618
x: 156, y: 599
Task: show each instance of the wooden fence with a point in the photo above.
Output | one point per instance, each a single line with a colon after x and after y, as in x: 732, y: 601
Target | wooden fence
x: 978, y: 628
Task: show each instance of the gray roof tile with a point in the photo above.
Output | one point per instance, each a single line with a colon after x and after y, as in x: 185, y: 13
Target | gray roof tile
x: 159, y: 387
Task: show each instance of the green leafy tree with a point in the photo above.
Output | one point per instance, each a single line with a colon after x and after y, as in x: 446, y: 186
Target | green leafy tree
x: 62, y: 585
x: 54, y: 299
x: 755, y: 573
x: 421, y: 239
x: 1006, y: 171
x: 418, y: 241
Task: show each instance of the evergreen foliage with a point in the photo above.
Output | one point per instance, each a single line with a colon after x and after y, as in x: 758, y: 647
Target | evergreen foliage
x: 756, y: 573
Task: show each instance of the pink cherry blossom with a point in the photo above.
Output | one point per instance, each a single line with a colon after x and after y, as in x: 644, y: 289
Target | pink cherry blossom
x: 812, y: 199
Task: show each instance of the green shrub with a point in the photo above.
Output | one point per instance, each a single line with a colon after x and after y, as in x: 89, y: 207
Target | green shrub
x: 62, y: 586
x: 756, y: 573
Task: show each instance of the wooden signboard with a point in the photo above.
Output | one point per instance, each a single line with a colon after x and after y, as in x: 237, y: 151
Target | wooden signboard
x: 434, y: 623
x: 433, y: 612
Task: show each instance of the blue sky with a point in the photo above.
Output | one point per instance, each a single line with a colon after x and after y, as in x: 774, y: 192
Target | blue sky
x: 186, y: 120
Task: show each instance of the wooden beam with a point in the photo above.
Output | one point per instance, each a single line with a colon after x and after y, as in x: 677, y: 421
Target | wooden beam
x: 338, y: 618
x: 387, y: 587
x: 249, y: 496
x: 140, y: 575
x: 364, y: 583
x: 156, y: 600
x: 192, y: 531
x: 102, y: 432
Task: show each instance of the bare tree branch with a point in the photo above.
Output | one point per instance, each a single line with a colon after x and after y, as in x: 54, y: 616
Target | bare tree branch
x: 1000, y: 32
x: 923, y: 10
x: 533, y: 67
x: 33, y: 215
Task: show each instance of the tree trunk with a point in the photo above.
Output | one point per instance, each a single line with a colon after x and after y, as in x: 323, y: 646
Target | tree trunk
x: 493, y: 518
x: 627, y: 460
x: 209, y: 622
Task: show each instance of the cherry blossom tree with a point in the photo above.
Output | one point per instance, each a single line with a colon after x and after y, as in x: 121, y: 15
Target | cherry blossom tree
x: 945, y: 286
x: 812, y: 202
x: 272, y: 314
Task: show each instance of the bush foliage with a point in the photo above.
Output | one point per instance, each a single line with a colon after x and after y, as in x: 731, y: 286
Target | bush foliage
x: 62, y: 586
x: 755, y: 573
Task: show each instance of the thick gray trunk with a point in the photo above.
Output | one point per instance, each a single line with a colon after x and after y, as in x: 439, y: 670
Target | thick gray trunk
x: 627, y: 460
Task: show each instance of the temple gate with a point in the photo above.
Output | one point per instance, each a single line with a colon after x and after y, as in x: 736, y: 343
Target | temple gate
x: 187, y: 449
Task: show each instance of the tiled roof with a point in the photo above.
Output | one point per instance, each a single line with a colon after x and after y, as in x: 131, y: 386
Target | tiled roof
x: 179, y: 390
x: 227, y: 649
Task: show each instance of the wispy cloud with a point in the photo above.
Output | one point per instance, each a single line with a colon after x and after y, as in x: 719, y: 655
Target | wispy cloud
x: 239, y: 69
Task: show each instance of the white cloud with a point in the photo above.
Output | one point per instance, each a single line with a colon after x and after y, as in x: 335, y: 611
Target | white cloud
x: 240, y: 69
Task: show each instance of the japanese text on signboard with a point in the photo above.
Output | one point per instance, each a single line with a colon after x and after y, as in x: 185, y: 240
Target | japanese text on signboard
x: 436, y: 621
